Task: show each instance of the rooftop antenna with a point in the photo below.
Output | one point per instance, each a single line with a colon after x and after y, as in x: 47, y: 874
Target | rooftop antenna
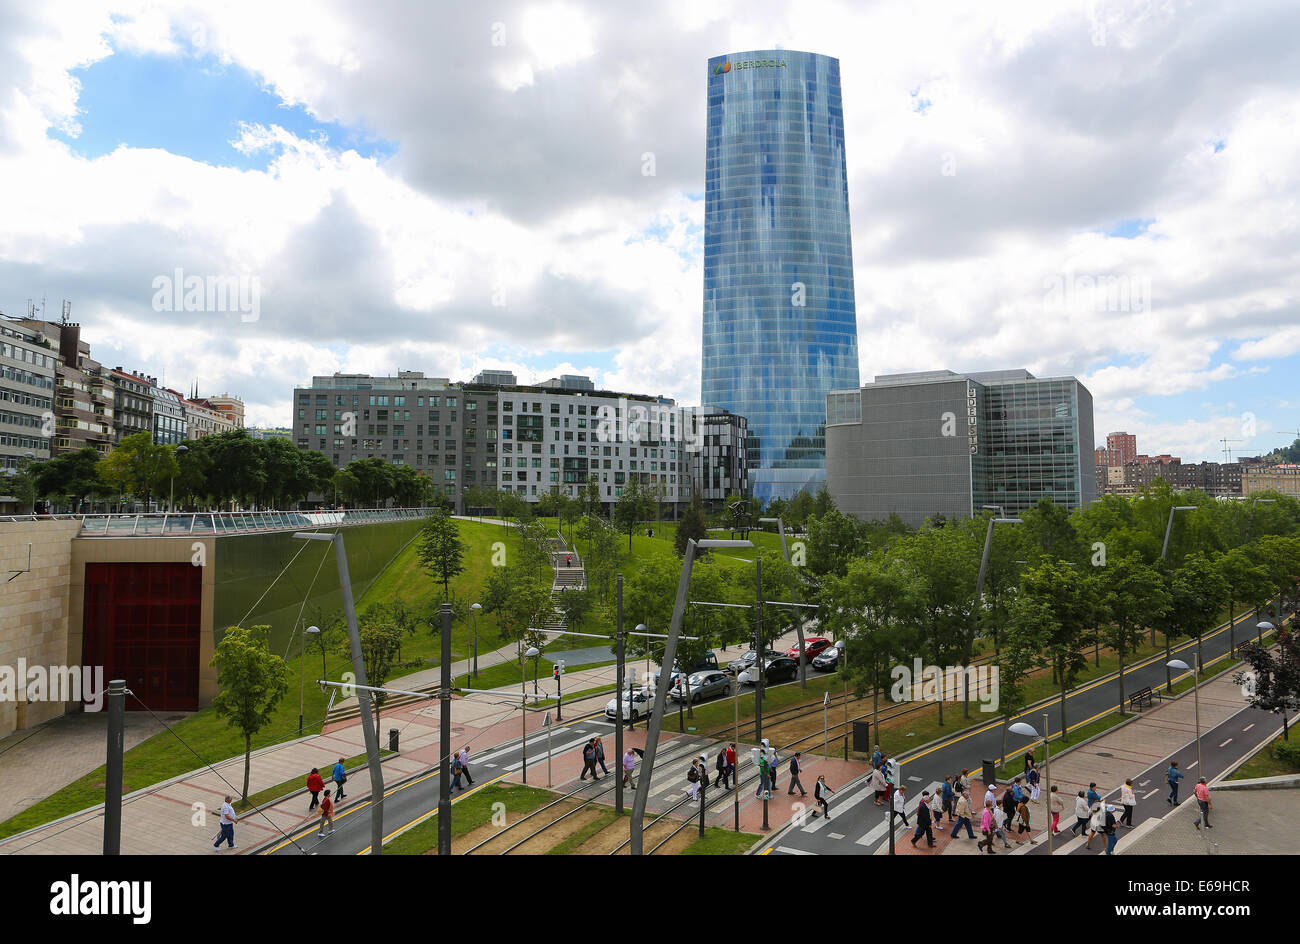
x: 1227, y: 451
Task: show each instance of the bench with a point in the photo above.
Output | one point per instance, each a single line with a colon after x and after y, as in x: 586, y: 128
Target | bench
x: 1142, y: 698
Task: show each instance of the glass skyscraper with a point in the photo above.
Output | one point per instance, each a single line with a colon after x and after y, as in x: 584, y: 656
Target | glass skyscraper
x: 780, y: 326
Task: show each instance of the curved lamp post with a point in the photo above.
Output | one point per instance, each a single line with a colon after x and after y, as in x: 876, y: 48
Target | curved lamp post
x: 1196, y: 696
x: 1027, y: 730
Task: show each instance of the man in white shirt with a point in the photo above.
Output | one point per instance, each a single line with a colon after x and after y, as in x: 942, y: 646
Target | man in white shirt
x: 228, y: 821
x: 464, y: 765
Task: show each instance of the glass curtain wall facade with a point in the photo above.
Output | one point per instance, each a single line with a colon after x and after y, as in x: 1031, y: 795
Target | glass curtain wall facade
x: 779, y: 321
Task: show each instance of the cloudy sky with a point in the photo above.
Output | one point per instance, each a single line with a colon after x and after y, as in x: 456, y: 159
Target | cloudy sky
x: 446, y: 187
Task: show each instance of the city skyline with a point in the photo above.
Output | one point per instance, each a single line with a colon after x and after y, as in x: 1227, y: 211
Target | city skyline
x: 1067, y: 224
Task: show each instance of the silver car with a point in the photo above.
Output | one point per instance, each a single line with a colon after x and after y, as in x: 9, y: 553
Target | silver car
x: 703, y: 685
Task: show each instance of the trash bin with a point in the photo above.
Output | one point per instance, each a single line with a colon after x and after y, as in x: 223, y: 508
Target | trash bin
x: 862, y: 737
x: 392, y: 740
x: 988, y: 775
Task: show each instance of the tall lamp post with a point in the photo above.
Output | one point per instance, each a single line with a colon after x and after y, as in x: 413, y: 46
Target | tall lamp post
x: 979, y: 586
x: 1164, y: 551
x: 532, y: 653
x: 1028, y: 730
x: 742, y: 678
x: 302, y: 667
x: 473, y: 614
x: 1196, y: 697
x: 843, y: 665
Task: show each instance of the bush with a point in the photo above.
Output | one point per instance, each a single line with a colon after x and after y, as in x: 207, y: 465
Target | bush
x: 1288, y: 752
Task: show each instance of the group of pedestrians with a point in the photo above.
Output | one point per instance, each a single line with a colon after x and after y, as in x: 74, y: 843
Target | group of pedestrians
x: 320, y: 797
x: 593, y: 753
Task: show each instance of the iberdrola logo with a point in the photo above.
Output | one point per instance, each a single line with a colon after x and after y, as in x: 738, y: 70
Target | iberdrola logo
x: 720, y: 69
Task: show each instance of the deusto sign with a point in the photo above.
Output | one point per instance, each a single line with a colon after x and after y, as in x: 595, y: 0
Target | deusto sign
x: 750, y: 64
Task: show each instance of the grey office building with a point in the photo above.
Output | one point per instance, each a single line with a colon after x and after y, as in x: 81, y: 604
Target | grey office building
x: 942, y: 443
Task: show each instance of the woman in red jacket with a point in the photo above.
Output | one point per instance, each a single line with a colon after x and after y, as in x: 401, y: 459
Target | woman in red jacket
x: 315, y: 785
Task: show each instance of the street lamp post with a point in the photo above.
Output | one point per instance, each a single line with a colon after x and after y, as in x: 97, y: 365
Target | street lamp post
x: 473, y: 613
x: 741, y: 679
x: 843, y: 664
x: 979, y: 590
x: 171, y: 492
x: 302, y: 668
x: 1196, y: 698
x: 532, y: 653
x: 1021, y: 727
x: 1264, y: 626
x: 1164, y: 551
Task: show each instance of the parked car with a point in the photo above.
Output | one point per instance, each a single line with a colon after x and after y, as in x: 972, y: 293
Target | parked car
x: 702, y: 685
x: 827, y: 660
x: 747, y: 661
x: 708, y: 663
x: 780, y: 669
x: 813, y: 647
x: 636, y: 705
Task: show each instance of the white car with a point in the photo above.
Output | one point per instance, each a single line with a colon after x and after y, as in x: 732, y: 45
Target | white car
x: 636, y: 705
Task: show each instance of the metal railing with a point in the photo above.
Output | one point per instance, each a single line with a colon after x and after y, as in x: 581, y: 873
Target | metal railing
x: 217, y: 523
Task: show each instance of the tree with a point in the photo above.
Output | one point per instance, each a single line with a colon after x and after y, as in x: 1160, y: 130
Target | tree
x: 1064, y: 597
x: 1048, y: 533
x: 70, y: 476
x: 1244, y: 580
x: 374, y: 479
x: 1031, y: 623
x: 251, y: 679
x: 690, y: 528
x: 235, y: 471
x: 574, y: 604
x: 139, y: 466
x: 1133, y: 593
x: 630, y: 510
x: 22, y: 484
x: 834, y: 538
x: 1195, y: 589
x: 381, y: 650
x: 1273, y: 682
x: 441, y: 551
x: 570, y: 511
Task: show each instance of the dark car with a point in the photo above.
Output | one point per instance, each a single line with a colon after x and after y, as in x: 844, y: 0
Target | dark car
x: 747, y: 661
x: 828, y: 660
x: 780, y: 669
x: 813, y: 647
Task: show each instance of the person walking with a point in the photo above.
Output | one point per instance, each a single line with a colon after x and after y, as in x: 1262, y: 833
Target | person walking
x: 878, y: 785
x: 763, y: 787
x: 1000, y: 821
x: 1202, y: 792
x: 629, y: 764
x: 936, y: 808
x: 1056, y: 804
x: 1033, y: 777
x: 314, y: 786
x: 340, y: 777
x: 986, y: 827
x: 1093, y: 796
x: 1128, y: 801
x: 990, y: 793
x: 227, y: 822
x: 1082, y: 813
x: 693, y: 778
x: 876, y: 757
x: 464, y: 765
x: 795, y: 767
x: 1009, y: 803
x: 600, y: 757
x: 923, y: 820
x: 1022, y: 819
x: 1096, y: 823
x: 1172, y: 776
x: 899, y: 807
x: 731, y: 764
x: 721, y: 766
x: 326, y: 815
x: 949, y: 796
x: 1108, y: 829
x: 589, y: 760
x: 1029, y: 761
x: 963, y: 813
x: 963, y: 781
x: 456, y: 771
x: 773, y: 766
x: 821, y: 789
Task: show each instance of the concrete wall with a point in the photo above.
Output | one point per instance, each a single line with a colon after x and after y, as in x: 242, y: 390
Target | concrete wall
x: 33, y: 609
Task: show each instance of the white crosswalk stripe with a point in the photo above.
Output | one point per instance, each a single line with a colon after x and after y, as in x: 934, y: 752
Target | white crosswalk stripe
x: 852, y: 800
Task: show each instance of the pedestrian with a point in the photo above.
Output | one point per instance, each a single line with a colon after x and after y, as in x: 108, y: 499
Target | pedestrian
x: 923, y: 819
x: 721, y: 765
x: 326, y: 815
x: 1173, y: 775
x: 600, y: 757
x: 1202, y: 792
x: 1017, y: 791
x: 227, y: 821
x: 1057, y: 805
x: 464, y: 765
x: 986, y: 827
x: 589, y: 760
x: 900, y: 807
x: 1108, y: 829
x: 731, y: 764
x: 762, y: 775
x: 1000, y: 820
x: 876, y: 757
x: 455, y: 772
x: 936, y: 808
x: 1022, y: 817
x: 1082, y: 813
x: 1096, y: 823
x: 629, y: 763
x: 1029, y: 761
x: 990, y: 794
x: 340, y: 777
x: 878, y: 785
x: 568, y: 559
x: 1093, y: 796
x: 774, y: 764
x: 314, y: 786
x: 693, y: 778
x: 963, y: 781
x: 963, y: 811
x: 1009, y: 803
x: 1033, y: 778
x: 820, y: 791
x: 1128, y: 801
x: 795, y: 767
x: 949, y: 797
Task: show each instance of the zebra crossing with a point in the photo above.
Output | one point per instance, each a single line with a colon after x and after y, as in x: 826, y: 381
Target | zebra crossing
x: 853, y: 843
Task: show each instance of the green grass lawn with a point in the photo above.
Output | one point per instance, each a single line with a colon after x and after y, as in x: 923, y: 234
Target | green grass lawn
x: 469, y: 814
x: 1266, y: 763
x: 721, y: 842
x: 507, y: 673
x: 299, y: 783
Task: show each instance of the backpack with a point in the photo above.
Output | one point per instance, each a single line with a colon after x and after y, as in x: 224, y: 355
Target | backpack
x: 693, y: 775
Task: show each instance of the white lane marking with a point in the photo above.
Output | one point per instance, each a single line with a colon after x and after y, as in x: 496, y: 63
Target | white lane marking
x: 536, y: 756
x: 1247, y: 727
x: 788, y: 850
x: 1143, y: 783
x: 1226, y: 743
x: 849, y: 802
x: 1146, y: 796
